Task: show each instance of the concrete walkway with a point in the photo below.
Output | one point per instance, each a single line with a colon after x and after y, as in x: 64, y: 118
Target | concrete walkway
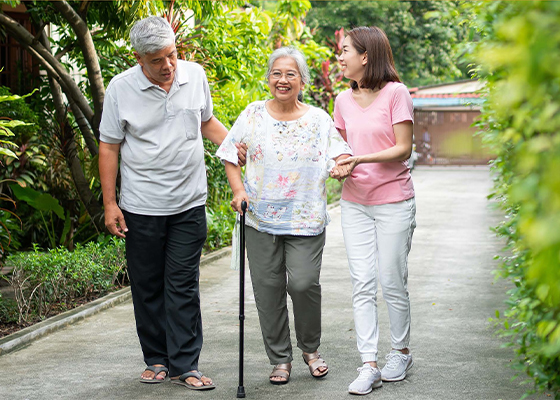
x: 453, y: 294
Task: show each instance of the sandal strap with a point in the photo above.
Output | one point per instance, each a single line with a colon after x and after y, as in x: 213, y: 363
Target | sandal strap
x: 318, y: 364
x: 196, y: 374
x: 311, y: 356
x: 157, y: 370
x: 281, y: 371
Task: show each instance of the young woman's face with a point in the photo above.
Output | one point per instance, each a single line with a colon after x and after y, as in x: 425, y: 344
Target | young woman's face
x: 352, y: 62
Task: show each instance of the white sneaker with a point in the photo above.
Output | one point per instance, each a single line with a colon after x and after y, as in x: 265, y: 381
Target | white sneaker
x: 369, y: 378
x: 396, y: 367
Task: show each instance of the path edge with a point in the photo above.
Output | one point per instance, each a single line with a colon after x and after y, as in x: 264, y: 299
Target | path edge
x: 26, y: 336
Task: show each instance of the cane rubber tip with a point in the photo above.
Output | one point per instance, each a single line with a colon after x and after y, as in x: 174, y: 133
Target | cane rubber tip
x: 240, y: 392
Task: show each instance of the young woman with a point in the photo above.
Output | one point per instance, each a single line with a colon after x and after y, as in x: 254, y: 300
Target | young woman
x: 375, y: 116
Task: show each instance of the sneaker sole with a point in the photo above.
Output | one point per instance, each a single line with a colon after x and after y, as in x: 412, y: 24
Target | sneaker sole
x: 374, y: 386
x: 398, y: 378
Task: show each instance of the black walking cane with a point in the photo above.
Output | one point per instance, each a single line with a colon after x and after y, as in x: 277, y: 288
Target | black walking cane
x: 240, y: 388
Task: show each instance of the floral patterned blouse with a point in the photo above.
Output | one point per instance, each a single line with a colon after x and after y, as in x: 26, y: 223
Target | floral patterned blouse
x: 288, y: 163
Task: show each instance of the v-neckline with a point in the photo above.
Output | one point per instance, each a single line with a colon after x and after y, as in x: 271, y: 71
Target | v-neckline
x: 364, y: 109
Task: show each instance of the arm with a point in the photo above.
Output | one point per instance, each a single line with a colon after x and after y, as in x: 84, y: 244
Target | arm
x: 108, y: 167
x: 213, y: 130
x: 216, y: 132
x: 399, y: 152
x: 233, y: 173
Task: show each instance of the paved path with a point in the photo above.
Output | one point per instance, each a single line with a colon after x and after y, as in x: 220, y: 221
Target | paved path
x: 453, y: 294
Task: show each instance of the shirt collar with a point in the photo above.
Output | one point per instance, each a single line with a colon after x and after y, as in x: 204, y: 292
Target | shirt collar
x: 181, y: 76
x: 144, y: 83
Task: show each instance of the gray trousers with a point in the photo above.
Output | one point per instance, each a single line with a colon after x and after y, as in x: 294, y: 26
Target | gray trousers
x: 291, y: 264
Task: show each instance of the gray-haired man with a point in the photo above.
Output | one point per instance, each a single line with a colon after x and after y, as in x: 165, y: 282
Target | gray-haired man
x: 154, y: 114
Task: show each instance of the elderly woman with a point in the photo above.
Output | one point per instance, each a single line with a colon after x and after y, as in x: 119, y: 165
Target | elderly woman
x: 290, y: 147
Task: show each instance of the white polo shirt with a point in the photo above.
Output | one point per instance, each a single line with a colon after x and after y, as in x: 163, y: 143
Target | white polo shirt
x: 162, y: 155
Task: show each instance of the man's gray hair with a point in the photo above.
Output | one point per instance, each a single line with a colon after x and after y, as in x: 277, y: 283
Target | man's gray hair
x: 296, y: 55
x: 151, y: 35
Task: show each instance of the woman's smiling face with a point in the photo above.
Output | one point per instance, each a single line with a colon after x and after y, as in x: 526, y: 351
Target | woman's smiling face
x: 351, y: 61
x: 288, y: 84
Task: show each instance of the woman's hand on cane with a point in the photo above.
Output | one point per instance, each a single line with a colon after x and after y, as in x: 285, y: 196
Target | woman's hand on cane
x: 238, y: 197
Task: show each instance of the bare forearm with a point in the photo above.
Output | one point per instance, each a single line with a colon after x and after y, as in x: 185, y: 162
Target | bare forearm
x: 233, y: 173
x: 108, y: 168
x: 395, y: 153
x: 342, y: 157
x: 214, y: 130
x: 399, y: 152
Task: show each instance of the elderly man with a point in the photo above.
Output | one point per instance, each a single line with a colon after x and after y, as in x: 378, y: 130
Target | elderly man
x: 154, y: 115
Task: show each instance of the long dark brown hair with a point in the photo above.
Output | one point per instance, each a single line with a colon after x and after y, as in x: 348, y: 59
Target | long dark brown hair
x: 380, y: 66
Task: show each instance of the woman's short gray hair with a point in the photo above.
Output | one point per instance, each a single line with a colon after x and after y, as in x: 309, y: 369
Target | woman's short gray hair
x: 296, y: 55
x: 151, y: 35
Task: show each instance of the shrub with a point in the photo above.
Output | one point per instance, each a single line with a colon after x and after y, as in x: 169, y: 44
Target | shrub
x: 8, y: 310
x: 58, y: 279
x: 518, y: 56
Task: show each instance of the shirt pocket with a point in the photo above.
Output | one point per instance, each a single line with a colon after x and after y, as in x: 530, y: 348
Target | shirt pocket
x: 191, y: 117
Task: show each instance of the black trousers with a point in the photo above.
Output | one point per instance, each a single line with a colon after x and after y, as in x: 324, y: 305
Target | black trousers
x: 163, y: 257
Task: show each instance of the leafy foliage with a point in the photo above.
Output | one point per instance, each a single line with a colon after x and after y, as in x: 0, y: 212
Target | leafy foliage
x: 423, y: 34
x: 519, y: 57
x: 13, y: 162
x: 57, y: 279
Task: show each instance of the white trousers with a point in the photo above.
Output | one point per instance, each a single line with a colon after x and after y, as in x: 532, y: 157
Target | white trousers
x: 378, y: 240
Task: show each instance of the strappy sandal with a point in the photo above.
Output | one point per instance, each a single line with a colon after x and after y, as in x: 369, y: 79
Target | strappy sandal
x: 182, y: 380
x: 314, y: 366
x: 280, y: 371
x: 156, y: 371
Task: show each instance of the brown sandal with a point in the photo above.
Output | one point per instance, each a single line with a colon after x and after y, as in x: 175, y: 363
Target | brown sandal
x: 280, y: 371
x: 314, y: 366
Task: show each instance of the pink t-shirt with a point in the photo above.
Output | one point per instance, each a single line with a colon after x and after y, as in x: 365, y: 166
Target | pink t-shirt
x: 370, y: 130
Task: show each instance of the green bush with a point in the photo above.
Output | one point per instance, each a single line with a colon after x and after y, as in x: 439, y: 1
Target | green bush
x: 59, y: 279
x: 519, y: 56
x: 8, y: 310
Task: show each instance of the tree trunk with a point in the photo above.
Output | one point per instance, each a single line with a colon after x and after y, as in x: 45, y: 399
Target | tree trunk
x: 28, y: 41
x: 69, y: 87
x: 69, y: 150
x: 85, y: 42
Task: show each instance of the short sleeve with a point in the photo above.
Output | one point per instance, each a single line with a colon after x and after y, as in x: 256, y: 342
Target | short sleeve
x: 338, y: 120
x: 208, y: 109
x: 227, y: 150
x: 110, y: 129
x: 337, y: 145
x: 401, y: 106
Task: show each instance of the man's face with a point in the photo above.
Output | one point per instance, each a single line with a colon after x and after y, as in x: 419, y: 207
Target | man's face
x: 159, y: 67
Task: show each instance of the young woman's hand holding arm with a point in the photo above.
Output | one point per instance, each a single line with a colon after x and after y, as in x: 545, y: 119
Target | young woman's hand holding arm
x: 399, y: 152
